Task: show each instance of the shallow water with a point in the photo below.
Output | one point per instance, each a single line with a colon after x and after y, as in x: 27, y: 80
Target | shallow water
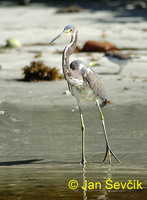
x: 40, y: 151
x: 41, y: 182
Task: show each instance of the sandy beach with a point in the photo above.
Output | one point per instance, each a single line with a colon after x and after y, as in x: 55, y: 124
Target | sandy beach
x: 40, y: 135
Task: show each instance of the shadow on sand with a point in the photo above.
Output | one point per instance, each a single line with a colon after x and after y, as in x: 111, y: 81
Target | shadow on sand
x: 19, y: 162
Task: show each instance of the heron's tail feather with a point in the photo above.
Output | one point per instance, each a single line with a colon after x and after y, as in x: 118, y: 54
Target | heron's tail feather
x: 104, y: 103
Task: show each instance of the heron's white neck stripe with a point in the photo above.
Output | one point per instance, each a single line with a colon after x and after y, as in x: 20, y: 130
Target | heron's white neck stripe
x: 67, y: 52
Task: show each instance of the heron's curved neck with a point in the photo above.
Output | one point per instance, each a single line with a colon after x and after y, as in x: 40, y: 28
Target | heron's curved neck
x: 66, y: 54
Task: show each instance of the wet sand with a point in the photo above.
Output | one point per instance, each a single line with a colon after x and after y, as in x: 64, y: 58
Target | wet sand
x: 40, y: 136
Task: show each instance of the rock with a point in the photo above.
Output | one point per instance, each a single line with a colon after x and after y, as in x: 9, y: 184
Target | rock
x: 13, y: 42
x: 94, y: 46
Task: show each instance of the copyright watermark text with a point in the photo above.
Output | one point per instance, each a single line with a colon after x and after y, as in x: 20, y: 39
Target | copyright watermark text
x: 109, y: 185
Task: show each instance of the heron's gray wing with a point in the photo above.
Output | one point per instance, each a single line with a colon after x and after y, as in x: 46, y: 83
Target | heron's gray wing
x: 94, y: 83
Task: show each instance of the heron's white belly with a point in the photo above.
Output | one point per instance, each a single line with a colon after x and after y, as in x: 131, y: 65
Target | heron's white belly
x: 84, y: 94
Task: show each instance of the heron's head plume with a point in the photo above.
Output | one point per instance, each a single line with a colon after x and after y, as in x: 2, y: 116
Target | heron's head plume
x: 68, y: 30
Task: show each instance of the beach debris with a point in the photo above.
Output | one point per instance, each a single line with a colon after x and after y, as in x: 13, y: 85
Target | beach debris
x: 92, y: 64
x: 102, y: 46
x: 125, y: 88
x: 96, y: 46
x: 24, y: 2
x: 66, y: 92
x: 142, y: 4
x: 144, y: 29
x: 38, y: 71
x: 104, y: 33
x: 13, y: 43
x: 2, y: 112
x: 72, y: 8
x: 119, y: 79
x: 38, y: 55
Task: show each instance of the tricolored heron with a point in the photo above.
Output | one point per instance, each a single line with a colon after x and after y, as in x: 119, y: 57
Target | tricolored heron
x: 85, y: 85
x: 118, y: 58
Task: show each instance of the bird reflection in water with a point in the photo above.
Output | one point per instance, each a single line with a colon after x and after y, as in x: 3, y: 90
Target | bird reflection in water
x: 101, y: 192
x: 84, y: 179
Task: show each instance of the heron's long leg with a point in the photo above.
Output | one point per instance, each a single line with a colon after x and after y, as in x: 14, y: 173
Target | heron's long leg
x: 83, y: 161
x: 108, y: 149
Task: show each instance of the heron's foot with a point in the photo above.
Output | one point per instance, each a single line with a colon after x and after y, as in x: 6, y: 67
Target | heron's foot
x: 83, y: 162
x: 108, y: 154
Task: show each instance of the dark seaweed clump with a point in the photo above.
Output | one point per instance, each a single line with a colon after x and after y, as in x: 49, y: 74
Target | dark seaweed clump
x: 37, y: 71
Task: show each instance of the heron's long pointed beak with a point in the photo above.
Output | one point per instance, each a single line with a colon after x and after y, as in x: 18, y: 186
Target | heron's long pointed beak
x: 59, y: 36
